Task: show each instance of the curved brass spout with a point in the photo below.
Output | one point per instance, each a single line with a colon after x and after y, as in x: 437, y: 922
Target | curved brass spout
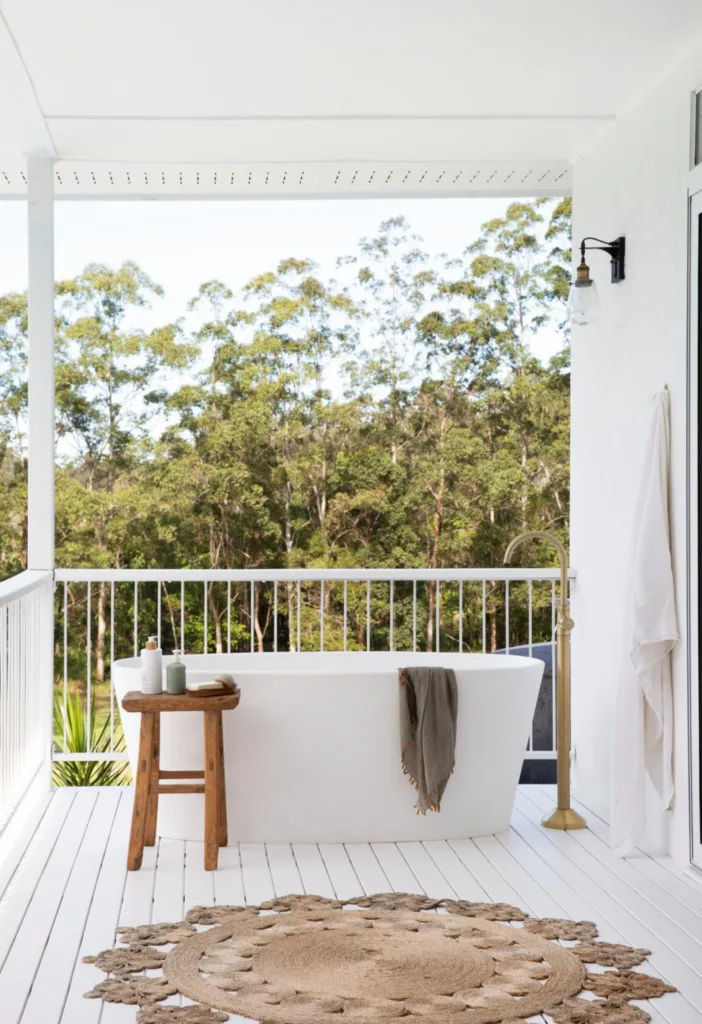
x: 564, y: 817
x: 564, y: 619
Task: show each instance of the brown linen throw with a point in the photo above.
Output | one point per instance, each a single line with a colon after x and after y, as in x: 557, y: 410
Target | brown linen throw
x: 428, y: 712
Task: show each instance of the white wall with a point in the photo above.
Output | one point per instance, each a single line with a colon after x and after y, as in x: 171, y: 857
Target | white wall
x: 633, y: 182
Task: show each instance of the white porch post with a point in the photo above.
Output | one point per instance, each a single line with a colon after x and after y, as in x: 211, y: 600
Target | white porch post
x: 40, y: 510
x: 40, y: 425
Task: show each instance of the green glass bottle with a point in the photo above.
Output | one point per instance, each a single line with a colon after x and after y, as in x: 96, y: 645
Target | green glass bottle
x: 175, y: 675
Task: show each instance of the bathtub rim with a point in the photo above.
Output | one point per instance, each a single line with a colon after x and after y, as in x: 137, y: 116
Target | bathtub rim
x: 344, y: 662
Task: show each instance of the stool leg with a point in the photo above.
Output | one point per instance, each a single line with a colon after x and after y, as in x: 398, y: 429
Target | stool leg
x: 152, y: 815
x: 141, y: 791
x: 211, y: 791
x: 222, y: 834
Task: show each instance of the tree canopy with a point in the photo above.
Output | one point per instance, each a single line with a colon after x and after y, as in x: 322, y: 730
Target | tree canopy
x: 394, y: 416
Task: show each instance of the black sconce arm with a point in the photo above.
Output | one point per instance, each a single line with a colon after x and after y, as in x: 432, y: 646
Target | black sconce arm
x: 615, y: 251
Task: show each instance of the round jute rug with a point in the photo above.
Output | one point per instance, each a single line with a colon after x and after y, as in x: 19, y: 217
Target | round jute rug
x: 308, y: 960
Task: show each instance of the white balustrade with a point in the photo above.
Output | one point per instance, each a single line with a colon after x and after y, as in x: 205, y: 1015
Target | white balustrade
x: 26, y: 676
x: 300, y: 609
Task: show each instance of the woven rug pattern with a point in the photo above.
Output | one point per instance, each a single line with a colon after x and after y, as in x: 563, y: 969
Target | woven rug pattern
x: 311, y: 960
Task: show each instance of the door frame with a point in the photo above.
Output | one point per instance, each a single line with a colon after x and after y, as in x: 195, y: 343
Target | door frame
x: 693, y: 508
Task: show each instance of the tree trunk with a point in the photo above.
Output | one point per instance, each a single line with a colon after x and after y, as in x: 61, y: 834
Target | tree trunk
x: 289, y: 544
x: 177, y: 646
x: 257, y: 624
x: 101, y: 633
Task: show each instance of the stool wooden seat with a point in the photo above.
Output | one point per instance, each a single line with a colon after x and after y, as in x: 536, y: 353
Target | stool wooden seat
x: 148, y: 786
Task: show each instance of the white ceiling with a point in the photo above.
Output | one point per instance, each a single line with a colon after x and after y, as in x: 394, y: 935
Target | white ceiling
x: 107, y: 86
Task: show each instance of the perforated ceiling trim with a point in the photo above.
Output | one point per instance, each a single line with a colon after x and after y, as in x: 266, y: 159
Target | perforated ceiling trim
x: 83, y: 180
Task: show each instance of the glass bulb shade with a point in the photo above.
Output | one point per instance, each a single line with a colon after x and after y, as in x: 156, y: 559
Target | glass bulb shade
x: 583, y: 302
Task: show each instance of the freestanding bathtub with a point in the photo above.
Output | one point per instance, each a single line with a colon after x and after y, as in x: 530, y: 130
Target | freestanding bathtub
x: 312, y: 753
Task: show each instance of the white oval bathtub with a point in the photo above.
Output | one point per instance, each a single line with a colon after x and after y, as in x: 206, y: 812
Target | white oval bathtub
x: 313, y: 751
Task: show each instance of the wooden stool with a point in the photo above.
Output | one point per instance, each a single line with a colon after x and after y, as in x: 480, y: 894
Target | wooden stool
x: 149, y: 774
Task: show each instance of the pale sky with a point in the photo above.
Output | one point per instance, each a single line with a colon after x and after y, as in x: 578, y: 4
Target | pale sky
x: 182, y: 244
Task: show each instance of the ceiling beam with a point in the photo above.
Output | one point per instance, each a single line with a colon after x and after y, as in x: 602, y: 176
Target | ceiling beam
x: 23, y: 126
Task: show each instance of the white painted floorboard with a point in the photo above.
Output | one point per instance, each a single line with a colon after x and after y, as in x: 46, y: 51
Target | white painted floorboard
x: 64, y: 889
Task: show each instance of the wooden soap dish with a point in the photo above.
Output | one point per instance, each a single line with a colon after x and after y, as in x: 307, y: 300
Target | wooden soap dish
x: 224, y: 688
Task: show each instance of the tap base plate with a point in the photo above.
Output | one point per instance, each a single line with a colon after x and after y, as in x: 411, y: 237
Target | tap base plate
x: 565, y: 819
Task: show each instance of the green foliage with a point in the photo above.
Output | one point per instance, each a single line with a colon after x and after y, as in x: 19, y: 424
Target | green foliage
x: 71, y: 734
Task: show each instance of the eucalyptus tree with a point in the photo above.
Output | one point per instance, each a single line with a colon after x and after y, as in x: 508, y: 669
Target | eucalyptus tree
x: 13, y: 408
x: 393, y: 277
x: 109, y: 386
x: 215, y: 460
x: 302, y: 329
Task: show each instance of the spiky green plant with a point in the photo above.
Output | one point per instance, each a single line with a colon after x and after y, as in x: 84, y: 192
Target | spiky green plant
x: 71, y: 737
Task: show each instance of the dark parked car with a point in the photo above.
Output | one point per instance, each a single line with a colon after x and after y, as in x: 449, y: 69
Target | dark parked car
x: 540, y: 770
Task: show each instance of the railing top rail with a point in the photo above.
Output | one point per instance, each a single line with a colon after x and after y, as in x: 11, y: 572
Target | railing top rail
x: 497, y: 574
x: 21, y: 584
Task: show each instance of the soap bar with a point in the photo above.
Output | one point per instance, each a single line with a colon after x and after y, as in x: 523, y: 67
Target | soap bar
x: 198, y: 687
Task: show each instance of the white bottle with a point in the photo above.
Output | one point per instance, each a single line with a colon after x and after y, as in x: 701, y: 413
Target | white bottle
x: 151, y: 667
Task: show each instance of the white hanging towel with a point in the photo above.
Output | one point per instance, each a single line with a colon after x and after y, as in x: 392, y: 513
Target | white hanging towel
x: 643, y: 726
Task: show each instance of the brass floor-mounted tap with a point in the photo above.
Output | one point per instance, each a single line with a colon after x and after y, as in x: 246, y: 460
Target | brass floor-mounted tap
x: 564, y: 817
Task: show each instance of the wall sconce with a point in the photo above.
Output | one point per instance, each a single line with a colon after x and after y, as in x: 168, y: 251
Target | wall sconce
x: 583, y: 300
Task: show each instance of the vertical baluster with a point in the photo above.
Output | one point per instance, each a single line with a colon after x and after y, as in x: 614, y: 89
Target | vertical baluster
x: 26, y: 655
x: 89, y: 666
x: 29, y: 643
x: 229, y: 616
x: 321, y: 615
x: 15, y: 677
x: 205, y: 622
x: 16, y: 644
x: 7, y: 716
x: 275, y: 615
x: 34, y: 708
x: 438, y: 616
x: 11, y: 697
x: 65, y: 661
x: 13, y: 690
x: 554, y: 667
x: 11, y: 676
x: 484, y: 616
x: 346, y: 608
x: 29, y: 636
x: 136, y: 619
x: 530, y: 617
x: 392, y: 613
x: 182, y: 616
x: 18, y: 668
x: 460, y: 616
x: 507, y: 616
x: 27, y: 639
x: 4, y: 710
x: 158, y: 613
x: 299, y: 616
x: 112, y: 661
x: 368, y: 615
x: 40, y: 708
x: 252, y: 598
x: 414, y: 615
x: 26, y: 678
